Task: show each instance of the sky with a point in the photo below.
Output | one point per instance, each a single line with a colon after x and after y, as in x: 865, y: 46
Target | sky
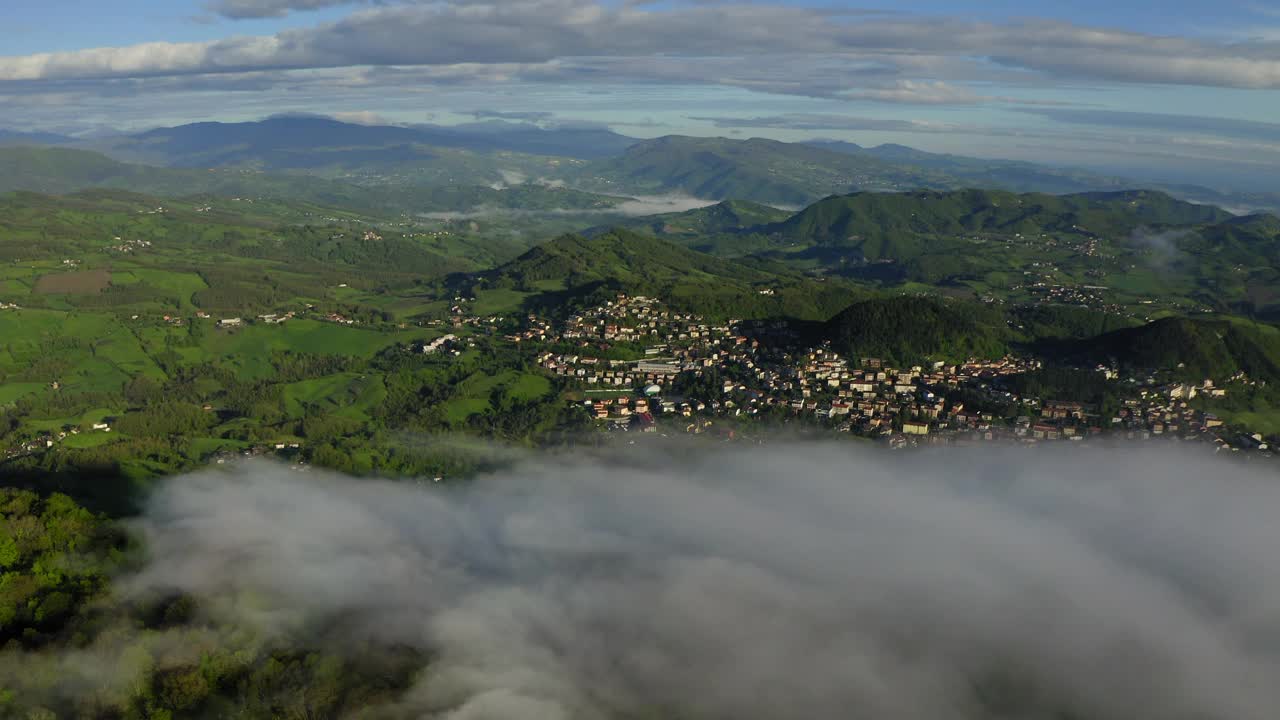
x: 1180, y: 86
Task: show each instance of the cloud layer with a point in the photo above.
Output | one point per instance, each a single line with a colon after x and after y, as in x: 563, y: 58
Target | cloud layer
x: 792, y: 581
x: 536, y: 32
x: 958, y: 76
x: 251, y: 9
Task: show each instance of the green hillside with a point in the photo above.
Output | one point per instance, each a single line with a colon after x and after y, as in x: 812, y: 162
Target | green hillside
x: 774, y: 172
x: 161, y: 255
x: 63, y: 170
x: 728, y: 216
x: 620, y: 255
x: 891, y: 225
x: 1011, y: 175
x: 1194, y: 348
x: 574, y: 269
x: 1234, y: 265
x: 1253, y: 238
x: 909, y: 330
x: 1047, y: 321
x: 1143, y: 251
x: 730, y: 228
x: 760, y: 170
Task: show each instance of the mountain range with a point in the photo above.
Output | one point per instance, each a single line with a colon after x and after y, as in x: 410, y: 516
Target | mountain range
x: 17, y: 137
x: 301, y: 142
x: 597, y: 160
x: 571, y: 271
x: 65, y: 170
x: 1134, y: 247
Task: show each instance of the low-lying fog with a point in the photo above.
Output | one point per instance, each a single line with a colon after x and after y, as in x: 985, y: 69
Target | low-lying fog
x: 789, y: 581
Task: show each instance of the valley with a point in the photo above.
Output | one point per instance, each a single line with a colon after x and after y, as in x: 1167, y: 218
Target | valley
x: 636, y: 360
x: 148, y: 335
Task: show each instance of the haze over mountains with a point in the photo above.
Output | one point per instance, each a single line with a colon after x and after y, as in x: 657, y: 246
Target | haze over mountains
x: 283, y: 142
x: 594, y: 159
x: 888, y: 215
x: 332, y: 294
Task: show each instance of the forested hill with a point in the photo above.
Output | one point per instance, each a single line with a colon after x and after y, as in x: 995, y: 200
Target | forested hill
x: 66, y: 170
x: 779, y: 173
x: 620, y: 255
x: 881, y: 217
x: 287, y: 141
x: 908, y: 330
x: 1195, y: 348
x: 1255, y: 236
x: 700, y: 225
x: 760, y: 170
x: 878, y: 218
x: 573, y: 269
x: 1015, y: 175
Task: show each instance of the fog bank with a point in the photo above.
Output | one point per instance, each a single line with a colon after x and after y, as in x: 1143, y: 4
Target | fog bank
x: 800, y: 580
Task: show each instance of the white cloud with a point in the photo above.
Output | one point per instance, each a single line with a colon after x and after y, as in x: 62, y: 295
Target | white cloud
x: 361, y: 117
x: 252, y: 9
x: 823, y: 121
x: 1209, y: 125
x: 536, y: 32
x: 633, y: 206
x: 789, y: 581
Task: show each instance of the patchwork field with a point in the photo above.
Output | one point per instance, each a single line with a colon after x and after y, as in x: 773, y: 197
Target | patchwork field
x: 86, y: 282
x: 248, y: 349
x: 475, y: 392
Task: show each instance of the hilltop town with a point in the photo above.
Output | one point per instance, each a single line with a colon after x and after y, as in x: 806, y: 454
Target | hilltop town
x: 697, y: 372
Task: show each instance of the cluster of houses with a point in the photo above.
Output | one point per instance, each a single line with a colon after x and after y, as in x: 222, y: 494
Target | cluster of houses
x: 753, y: 374
x: 231, y: 323
x: 47, y: 439
x: 340, y: 319
x: 1085, y: 295
x: 640, y: 319
x: 277, y: 318
x: 442, y: 344
x: 285, y: 450
x: 128, y: 246
x: 266, y: 319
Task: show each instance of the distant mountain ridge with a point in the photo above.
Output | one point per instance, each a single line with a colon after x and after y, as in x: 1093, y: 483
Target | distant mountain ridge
x: 572, y: 271
x: 879, y: 219
x: 779, y: 173
x: 275, y: 143
x: 600, y: 160
x: 18, y: 137
x: 1013, y: 175
x: 759, y: 170
x: 60, y: 170
x: 1135, y: 247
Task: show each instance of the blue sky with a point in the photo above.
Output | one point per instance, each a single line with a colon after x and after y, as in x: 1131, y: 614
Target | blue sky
x: 47, y: 26
x: 1137, y: 84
